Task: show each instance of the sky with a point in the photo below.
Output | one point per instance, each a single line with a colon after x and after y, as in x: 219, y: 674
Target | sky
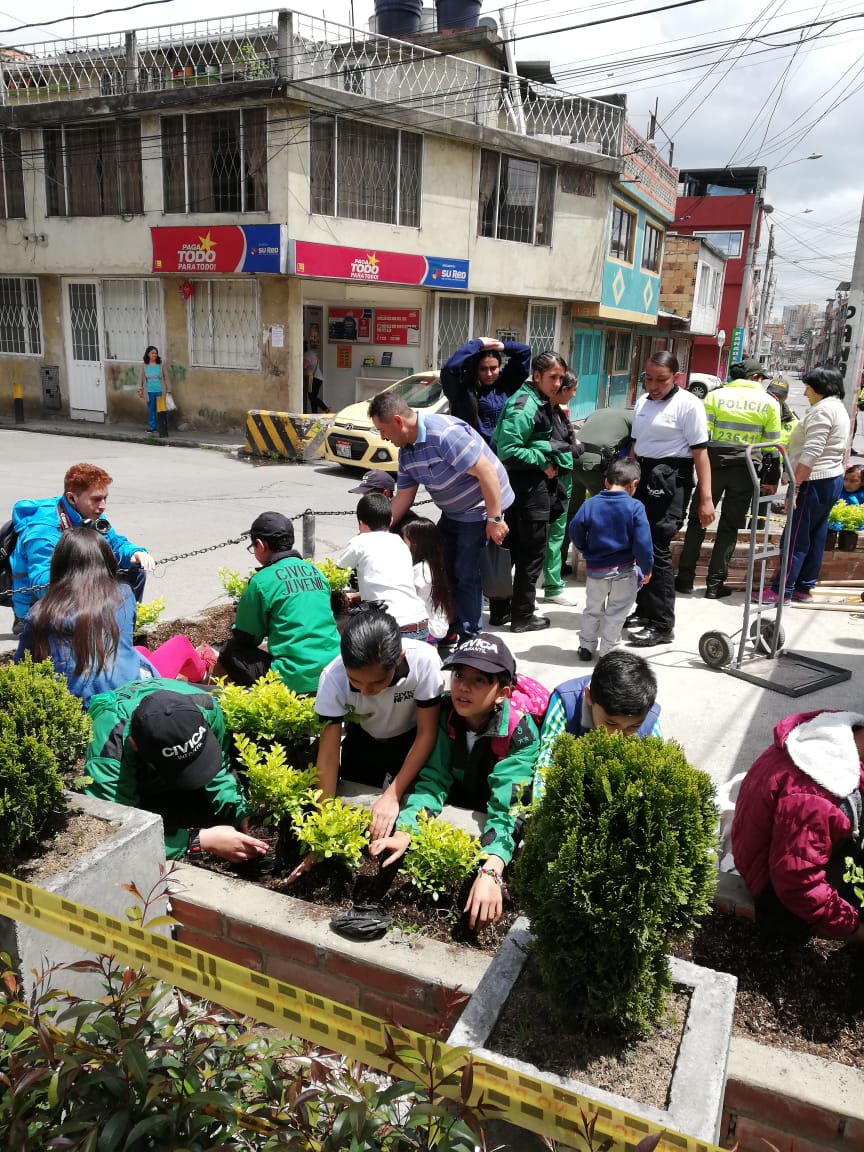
x: 777, y: 100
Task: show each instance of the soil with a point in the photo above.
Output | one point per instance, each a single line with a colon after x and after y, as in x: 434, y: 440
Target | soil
x: 641, y: 1071
x: 71, y: 836
x: 212, y: 627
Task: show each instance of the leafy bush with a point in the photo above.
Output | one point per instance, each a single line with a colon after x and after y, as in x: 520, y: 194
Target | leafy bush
x: 440, y: 856
x: 845, y: 517
x: 35, y: 701
x: 617, y: 861
x: 233, y: 583
x: 338, y: 578
x: 276, y: 790
x: 335, y: 829
x: 149, y: 613
x: 269, y: 712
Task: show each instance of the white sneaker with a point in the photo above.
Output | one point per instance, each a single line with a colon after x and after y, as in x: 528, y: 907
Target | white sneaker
x: 565, y: 599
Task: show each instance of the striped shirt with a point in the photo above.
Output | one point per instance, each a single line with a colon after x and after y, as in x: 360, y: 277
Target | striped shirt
x: 439, y: 459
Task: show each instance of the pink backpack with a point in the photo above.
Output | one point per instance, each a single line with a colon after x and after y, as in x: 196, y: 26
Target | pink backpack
x: 527, y: 697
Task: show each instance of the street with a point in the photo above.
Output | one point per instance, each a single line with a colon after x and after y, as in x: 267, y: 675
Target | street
x: 179, y: 500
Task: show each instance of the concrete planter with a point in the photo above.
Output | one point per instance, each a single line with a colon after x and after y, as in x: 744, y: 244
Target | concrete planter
x: 699, y: 1079
x: 133, y: 852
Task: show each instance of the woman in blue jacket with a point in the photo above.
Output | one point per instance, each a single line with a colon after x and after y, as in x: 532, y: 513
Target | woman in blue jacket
x: 476, y: 385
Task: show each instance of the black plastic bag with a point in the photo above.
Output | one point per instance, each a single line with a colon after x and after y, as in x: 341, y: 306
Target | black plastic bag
x: 496, y: 571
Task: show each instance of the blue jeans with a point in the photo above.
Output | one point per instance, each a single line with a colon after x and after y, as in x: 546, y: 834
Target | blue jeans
x: 152, y: 397
x: 809, y: 527
x: 462, y: 541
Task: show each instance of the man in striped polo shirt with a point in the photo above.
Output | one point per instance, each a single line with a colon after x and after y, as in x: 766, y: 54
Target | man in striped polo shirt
x: 463, y: 477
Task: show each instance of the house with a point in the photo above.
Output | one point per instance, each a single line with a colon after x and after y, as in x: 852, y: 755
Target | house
x: 230, y: 193
x: 691, y: 288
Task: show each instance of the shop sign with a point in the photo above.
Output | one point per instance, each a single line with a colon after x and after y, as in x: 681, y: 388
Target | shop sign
x: 397, y: 326
x: 220, y: 248
x: 354, y: 324
x: 736, y: 346
x: 333, y: 262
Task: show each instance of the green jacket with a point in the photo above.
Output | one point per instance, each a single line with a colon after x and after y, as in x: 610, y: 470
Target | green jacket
x: 114, y: 766
x: 493, y: 776
x: 522, y: 437
x: 288, y: 601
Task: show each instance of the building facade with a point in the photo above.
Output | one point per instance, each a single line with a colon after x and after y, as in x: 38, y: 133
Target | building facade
x: 228, y: 192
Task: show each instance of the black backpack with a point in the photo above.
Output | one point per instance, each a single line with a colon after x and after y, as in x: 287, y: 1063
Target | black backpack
x: 8, y: 540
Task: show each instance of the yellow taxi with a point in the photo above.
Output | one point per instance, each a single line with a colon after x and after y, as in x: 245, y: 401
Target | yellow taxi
x: 351, y: 439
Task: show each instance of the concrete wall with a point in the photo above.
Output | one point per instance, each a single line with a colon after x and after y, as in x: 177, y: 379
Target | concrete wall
x: 629, y: 290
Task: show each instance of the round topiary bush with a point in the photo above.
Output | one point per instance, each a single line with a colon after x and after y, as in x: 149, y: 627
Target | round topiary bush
x: 617, y: 862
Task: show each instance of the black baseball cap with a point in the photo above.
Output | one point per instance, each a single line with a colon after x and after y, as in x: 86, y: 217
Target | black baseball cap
x: 271, y: 526
x: 486, y: 653
x: 375, y: 481
x: 174, y: 741
x: 754, y: 367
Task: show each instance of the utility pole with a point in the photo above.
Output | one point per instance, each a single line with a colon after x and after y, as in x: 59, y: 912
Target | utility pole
x: 852, y: 340
x: 763, y: 299
x: 758, y: 195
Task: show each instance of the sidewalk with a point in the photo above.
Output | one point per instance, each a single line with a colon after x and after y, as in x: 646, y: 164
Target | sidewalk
x: 128, y: 432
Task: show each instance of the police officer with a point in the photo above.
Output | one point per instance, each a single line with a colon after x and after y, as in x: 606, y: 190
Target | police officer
x: 740, y: 413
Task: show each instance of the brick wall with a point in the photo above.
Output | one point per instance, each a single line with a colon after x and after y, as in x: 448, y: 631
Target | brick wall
x: 678, y: 283
x: 756, y: 1117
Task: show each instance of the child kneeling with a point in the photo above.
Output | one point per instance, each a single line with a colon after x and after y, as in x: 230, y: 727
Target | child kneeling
x: 483, y: 760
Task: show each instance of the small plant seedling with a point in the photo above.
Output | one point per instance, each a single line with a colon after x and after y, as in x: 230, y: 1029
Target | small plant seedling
x: 335, y: 830
x: 440, y: 856
x: 338, y: 578
x: 147, y: 614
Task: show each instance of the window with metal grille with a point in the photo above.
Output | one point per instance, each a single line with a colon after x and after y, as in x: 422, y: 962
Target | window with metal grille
x: 621, y: 234
x: 364, y: 171
x: 459, y: 319
x: 651, y: 248
x: 621, y: 356
x: 94, y: 170
x: 132, y: 318
x: 542, y: 328
x: 20, y: 329
x: 215, y: 161
x: 11, y: 177
x: 516, y: 200
x: 224, y: 325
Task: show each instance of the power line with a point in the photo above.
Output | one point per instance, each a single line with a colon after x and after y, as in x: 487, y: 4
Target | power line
x: 87, y: 16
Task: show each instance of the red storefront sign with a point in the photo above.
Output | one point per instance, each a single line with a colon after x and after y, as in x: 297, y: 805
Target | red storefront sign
x: 333, y: 262
x: 397, y: 326
x: 206, y: 249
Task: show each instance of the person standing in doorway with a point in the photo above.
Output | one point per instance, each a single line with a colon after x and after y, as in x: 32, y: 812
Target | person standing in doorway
x: 153, y: 384
x: 313, y: 378
x: 670, y: 436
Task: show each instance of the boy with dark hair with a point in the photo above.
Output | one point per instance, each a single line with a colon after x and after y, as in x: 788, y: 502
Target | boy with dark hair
x: 612, y: 532
x: 385, y: 570
x: 288, y: 601
x: 483, y: 760
x: 620, y: 696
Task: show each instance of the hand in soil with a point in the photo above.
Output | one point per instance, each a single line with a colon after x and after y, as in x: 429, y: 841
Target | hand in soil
x: 485, y: 903
x: 305, y: 865
x: 384, y: 813
x: 231, y: 844
x: 396, y: 844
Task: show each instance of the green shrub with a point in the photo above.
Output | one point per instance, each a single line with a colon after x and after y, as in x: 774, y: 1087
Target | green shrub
x: 440, y: 857
x: 149, y: 613
x: 617, y: 861
x: 338, y: 578
x: 845, y: 517
x: 233, y: 583
x: 36, y: 702
x: 335, y: 830
x: 31, y: 792
x: 269, y: 712
x: 276, y: 790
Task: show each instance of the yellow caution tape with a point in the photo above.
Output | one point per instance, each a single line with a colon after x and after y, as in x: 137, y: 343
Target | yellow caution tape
x: 523, y: 1099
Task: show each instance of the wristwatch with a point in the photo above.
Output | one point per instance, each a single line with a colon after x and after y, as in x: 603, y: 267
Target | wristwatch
x: 194, y: 850
x: 495, y: 519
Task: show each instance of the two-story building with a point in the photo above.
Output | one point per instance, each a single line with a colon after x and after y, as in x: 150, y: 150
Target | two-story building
x: 229, y: 190
x: 694, y: 272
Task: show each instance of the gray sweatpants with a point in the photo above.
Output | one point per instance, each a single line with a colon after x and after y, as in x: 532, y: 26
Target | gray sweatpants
x: 608, y: 601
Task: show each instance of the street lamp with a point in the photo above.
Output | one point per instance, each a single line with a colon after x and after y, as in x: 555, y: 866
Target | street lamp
x: 812, y: 156
x: 721, y: 343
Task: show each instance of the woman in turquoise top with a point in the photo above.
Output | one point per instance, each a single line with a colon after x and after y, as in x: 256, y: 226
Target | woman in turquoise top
x: 153, y: 383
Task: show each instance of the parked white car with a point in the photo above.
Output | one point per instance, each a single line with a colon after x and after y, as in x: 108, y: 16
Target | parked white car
x: 701, y: 383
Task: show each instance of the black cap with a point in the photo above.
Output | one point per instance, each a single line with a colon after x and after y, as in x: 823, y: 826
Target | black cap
x: 754, y: 368
x: 271, y: 526
x: 175, y: 742
x: 375, y: 481
x: 485, y: 652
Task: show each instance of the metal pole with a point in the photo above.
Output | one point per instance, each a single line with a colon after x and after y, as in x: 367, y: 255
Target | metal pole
x: 309, y: 534
x: 852, y: 344
x: 763, y: 299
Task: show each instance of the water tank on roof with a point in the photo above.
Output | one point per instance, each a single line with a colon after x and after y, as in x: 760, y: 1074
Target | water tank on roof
x: 398, y: 18
x: 457, y: 14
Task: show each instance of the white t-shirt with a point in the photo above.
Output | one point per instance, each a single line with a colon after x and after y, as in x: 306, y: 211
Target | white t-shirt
x: 385, y: 571
x: 439, y: 625
x: 669, y: 427
x: 418, y: 682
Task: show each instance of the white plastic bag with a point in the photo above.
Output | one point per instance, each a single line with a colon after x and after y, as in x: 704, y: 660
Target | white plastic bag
x: 170, y: 406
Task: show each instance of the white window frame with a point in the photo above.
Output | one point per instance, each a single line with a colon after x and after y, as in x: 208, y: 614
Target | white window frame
x: 194, y: 360
x: 156, y: 337
x: 556, y: 343
x: 28, y: 352
x: 472, y: 299
x: 706, y: 235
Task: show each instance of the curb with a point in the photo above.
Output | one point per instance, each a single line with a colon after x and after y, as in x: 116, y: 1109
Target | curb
x: 122, y: 437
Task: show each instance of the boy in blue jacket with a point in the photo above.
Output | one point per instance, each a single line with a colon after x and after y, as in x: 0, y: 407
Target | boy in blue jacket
x: 611, y: 531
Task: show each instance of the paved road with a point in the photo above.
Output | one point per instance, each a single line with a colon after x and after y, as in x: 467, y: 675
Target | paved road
x: 175, y: 500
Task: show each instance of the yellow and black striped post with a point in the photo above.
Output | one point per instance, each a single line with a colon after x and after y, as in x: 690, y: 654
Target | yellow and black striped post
x: 161, y: 416
x: 290, y: 435
x: 18, y: 403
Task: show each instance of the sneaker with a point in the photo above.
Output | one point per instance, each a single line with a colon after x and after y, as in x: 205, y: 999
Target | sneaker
x: 802, y: 597
x: 586, y: 654
x: 769, y: 596
x: 563, y: 598
x: 530, y: 624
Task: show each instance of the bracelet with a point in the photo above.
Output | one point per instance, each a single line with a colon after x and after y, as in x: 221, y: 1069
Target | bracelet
x: 194, y: 850
x: 485, y: 870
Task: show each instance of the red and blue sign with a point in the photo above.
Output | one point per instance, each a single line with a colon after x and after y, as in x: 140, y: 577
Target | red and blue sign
x: 198, y: 250
x: 333, y: 262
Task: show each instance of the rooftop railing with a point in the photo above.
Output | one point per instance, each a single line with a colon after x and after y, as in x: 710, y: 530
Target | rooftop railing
x: 287, y: 46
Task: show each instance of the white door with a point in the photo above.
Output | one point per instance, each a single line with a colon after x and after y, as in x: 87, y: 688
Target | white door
x: 84, y: 368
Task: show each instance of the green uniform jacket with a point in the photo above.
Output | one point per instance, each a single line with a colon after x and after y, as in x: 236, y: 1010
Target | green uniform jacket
x: 289, y: 603
x: 493, y: 776
x: 114, y: 767
x: 522, y: 436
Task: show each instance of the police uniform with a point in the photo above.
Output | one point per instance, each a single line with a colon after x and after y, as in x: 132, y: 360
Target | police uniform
x: 738, y: 414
